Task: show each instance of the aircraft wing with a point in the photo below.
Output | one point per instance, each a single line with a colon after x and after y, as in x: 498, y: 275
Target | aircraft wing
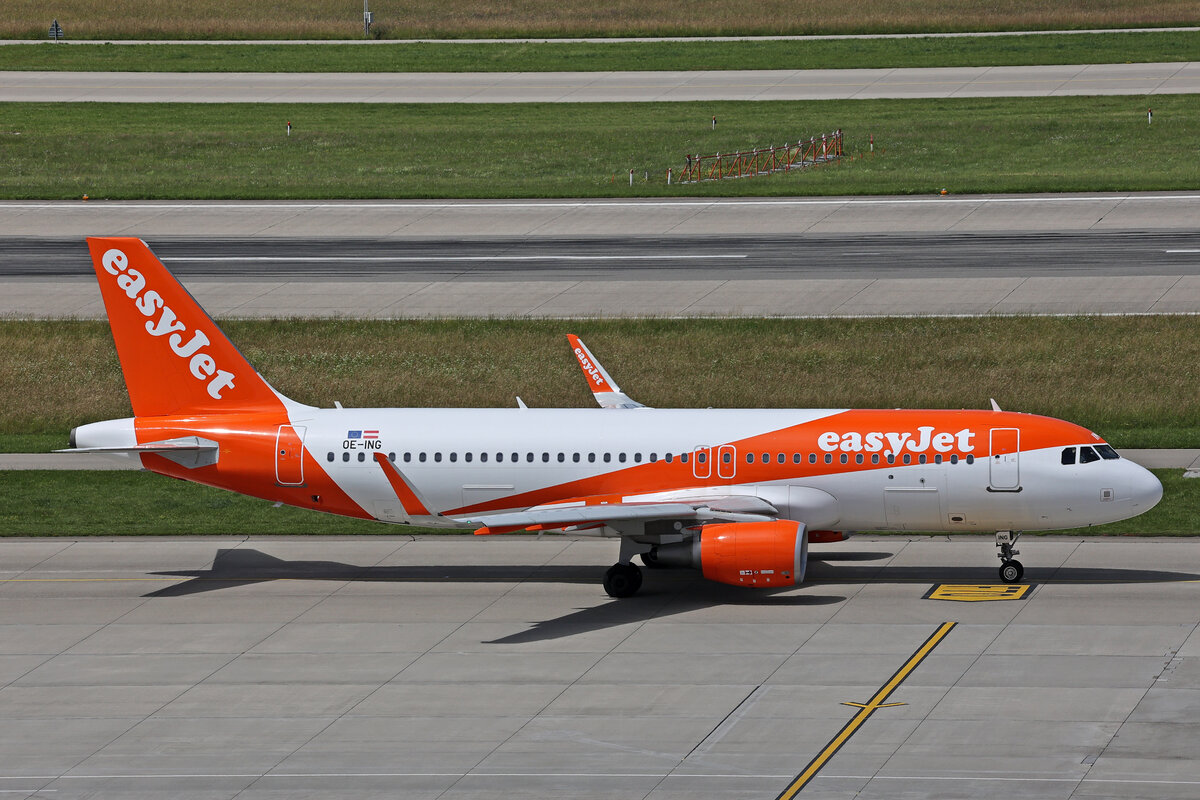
x: 603, y: 387
x: 583, y: 515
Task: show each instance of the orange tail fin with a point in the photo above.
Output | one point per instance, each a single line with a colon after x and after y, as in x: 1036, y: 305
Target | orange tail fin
x: 175, y: 358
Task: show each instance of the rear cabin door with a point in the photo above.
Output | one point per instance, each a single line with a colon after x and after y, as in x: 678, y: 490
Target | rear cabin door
x: 289, y: 456
x: 1005, y: 467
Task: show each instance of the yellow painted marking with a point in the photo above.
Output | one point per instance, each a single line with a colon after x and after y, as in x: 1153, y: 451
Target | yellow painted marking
x: 877, y: 705
x: 978, y: 593
x: 865, y: 711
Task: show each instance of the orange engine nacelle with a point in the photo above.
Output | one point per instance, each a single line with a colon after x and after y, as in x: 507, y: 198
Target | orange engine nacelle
x: 745, y: 553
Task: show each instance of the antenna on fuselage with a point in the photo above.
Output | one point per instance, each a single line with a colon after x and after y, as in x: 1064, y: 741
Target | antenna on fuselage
x: 995, y: 405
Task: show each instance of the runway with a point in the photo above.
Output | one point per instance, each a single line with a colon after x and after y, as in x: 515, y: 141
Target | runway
x: 781, y: 275
x: 459, y: 667
x: 599, y: 87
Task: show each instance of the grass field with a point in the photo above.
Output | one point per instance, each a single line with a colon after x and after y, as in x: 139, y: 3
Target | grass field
x: 50, y: 503
x: 140, y: 151
x: 597, y: 56
x: 324, y: 19
x: 1132, y: 379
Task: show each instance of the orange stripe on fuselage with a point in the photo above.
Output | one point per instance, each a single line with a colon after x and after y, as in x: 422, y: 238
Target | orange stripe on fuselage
x: 849, y: 429
x: 246, y: 463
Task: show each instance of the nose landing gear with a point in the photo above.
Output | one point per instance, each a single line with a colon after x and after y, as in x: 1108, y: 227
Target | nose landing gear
x: 1011, y: 570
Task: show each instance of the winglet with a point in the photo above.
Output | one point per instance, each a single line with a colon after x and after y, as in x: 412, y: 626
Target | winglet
x: 604, y: 388
x: 405, y: 493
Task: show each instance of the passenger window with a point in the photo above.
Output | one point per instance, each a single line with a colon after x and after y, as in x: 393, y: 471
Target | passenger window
x: 453, y: 457
x: 726, y: 458
x: 766, y: 458
x: 529, y: 458
x: 407, y: 458
x: 749, y: 458
x: 607, y: 457
x: 858, y: 459
x: 483, y: 456
x: 392, y: 457
x: 845, y: 458
x: 437, y: 457
x: 795, y: 458
x: 1068, y: 456
x: 545, y: 458
x: 330, y: 456
x: 467, y: 456
x: 515, y: 457
x: 421, y: 458
x: 653, y: 458
x: 1106, y: 452
x: 637, y: 458
x: 937, y: 459
x: 829, y: 458
x: 922, y: 458
x: 781, y: 458
x: 345, y: 456
x: 970, y: 459
x: 954, y: 458
x: 907, y: 458
x: 683, y: 458
x: 591, y: 458
x: 875, y: 458
x: 575, y: 457
x: 362, y: 456
x: 621, y: 457
x: 1087, y: 455
x: 812, y: 458
x: 562, y: 457
x: 702, y: 458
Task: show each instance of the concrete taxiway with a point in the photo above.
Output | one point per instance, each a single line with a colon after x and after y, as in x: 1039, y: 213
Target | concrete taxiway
x: 459, y: 667
x: 599, y: 87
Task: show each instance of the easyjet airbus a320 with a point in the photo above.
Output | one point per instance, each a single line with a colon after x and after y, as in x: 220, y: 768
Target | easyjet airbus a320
x: 738, y: 494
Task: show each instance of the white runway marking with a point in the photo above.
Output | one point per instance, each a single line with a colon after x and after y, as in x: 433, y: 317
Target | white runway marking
x: 385, y: 259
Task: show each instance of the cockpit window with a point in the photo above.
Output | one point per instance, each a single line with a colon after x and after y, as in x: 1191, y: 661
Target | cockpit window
x: 1087, y: 455
x: 1068, y: 456
x: 1106, y: 452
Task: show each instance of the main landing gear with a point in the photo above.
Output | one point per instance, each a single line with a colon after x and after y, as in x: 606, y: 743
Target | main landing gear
x: 1011, y: 570
x: 622, y: 580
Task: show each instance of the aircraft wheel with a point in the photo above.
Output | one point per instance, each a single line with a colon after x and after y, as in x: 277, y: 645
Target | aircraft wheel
x: 1011, y: 571
x: 622, y: 580
x: 650, y: 559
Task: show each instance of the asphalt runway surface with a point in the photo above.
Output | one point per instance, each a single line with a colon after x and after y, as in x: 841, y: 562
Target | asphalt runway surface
x: 641, y: 258
x: 598, y: 87
x: 771, y: 275
x: 447, y: 667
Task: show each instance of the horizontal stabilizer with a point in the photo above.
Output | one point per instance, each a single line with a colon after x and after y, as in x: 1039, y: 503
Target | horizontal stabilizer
x: 186, y: 451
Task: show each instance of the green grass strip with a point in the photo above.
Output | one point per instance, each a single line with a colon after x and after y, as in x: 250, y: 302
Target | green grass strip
x: 1131, y: 379
x: 240, y: 151
x: 986, y: 51
x: 53, y: 503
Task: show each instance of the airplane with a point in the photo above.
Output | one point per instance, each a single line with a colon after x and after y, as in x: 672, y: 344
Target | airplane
x: 739, y: 494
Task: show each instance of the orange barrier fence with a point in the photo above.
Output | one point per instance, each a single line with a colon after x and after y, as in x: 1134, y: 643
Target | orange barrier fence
x: 762, y: 161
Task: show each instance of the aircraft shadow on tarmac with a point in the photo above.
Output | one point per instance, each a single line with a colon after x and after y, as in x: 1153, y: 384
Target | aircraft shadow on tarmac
x: 665, y: 593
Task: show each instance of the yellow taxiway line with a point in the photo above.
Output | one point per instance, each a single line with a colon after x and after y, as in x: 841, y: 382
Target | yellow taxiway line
x: 865, y: 711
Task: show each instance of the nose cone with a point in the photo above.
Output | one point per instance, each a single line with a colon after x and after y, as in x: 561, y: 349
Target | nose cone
x: 1144, y: 489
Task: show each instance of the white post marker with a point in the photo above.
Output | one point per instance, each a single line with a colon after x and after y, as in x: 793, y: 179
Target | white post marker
x: 1149, y: 115
x: 631, y: 177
